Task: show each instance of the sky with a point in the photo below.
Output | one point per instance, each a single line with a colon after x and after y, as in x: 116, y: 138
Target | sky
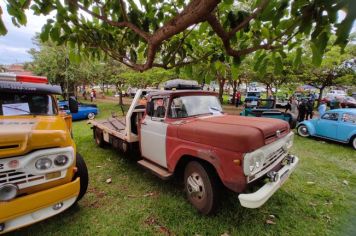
x: 14, y: 45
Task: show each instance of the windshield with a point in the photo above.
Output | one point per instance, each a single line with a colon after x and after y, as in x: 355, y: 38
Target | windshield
x: 195, y: 105
x: 13, y: 104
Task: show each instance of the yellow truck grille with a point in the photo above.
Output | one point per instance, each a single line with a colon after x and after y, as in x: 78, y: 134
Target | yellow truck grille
x: 21, y: 179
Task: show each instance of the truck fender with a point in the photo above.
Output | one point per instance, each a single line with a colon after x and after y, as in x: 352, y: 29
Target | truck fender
x: 184, y: 151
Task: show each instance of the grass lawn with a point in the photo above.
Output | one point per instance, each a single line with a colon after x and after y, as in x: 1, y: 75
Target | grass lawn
x: 318, y: 199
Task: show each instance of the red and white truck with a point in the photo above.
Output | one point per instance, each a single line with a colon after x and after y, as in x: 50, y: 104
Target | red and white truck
x: 186, y: 130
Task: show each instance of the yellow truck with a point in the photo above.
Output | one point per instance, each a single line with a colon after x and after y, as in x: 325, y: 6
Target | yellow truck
x: 41, y: 173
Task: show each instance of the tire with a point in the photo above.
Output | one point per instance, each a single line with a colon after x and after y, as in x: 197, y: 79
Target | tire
x: 99, y: 139
x: 303, y: 131
x: 91, y: 115
x: 353, y: 142
x: 82, y: 173
x: 206, y: 196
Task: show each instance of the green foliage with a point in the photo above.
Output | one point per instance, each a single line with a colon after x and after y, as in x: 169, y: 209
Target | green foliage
x: 278, y: 25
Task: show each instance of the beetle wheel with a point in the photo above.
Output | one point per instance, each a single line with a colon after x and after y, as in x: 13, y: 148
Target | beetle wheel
x: 303, y: 131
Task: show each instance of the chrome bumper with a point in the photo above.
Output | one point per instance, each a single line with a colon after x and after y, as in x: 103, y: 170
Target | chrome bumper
x: 258, y: 198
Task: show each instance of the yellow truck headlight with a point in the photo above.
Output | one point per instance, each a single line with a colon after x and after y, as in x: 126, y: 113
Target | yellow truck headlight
x: 43, y: 163
x: 61, y: 160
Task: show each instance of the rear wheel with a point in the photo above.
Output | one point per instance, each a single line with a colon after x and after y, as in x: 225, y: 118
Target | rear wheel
x: 98, y: 136
x: 202, y: 187
x: 82, y: 173
x: 303, y: 131
x: 91, y: 115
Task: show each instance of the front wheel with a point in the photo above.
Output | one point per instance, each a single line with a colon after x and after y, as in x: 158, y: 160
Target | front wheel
x: 303, y: 131
x: 202, y: 187
x: 354, y: 142
x: 82, y: 173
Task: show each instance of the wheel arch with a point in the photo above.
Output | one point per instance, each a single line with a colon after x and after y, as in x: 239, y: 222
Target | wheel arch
x: 186, y: 158
x: 311, y: 128
x: 352, y: 136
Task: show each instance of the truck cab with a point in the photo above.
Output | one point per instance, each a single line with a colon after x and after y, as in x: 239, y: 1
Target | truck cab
x: 186, y: 131
x: 41, y: 173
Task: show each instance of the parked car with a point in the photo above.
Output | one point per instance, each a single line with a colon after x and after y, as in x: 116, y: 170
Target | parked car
x: 337, y: 124
x: 281, y: 102
x: 348, y: 102
x: 336, y: 93
x: 85, y: 111
x: 265, y: 108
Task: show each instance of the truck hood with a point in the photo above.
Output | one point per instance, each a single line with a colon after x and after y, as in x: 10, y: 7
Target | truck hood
x: 235, y: 133
x: 20, y: 135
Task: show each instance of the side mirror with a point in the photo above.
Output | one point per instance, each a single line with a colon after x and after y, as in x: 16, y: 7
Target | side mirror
x: 73, y: 105
x: 149, y: 108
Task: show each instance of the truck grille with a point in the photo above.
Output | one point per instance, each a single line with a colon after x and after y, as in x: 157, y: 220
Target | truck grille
x: 21, y: 179
x: 274, y: 158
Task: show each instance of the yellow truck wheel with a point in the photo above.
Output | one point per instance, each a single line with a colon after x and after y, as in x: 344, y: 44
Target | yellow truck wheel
x: 82, y: 172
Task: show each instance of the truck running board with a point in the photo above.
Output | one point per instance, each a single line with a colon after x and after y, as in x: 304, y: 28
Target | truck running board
x: 155, y: 169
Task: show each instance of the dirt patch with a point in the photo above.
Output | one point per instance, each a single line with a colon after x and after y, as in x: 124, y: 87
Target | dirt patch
x: 153, y: 222
x: 95, y: 202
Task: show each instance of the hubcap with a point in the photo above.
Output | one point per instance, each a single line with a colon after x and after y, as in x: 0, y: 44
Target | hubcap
x: 195, y: 186
x: 303, y: 130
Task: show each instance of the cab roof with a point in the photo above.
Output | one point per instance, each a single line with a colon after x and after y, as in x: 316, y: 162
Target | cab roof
x: 180, y: 93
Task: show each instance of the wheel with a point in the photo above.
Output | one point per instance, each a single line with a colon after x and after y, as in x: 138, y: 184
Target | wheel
x: 82, y: 172
x: 202, y: 187
x: 91, y: 115
x: 98, y: 136
x: 303, y: 131
x: 354, y: 142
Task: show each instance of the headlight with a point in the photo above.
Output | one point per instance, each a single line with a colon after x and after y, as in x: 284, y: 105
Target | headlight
x: 61, y: 160
x: 253, y: 162
x: 43, y: 163
x: 289, y: 143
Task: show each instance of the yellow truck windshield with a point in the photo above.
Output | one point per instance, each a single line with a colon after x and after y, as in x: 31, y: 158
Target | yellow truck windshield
x: 14, y: 104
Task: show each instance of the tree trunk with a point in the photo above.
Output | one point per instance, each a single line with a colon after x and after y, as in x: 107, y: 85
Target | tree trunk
x: 221, y: 81
x: 321, y: 89
x: 234, y: 89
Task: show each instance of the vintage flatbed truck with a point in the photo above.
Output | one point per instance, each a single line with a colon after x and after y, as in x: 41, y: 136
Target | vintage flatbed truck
x: 41, y: 173
x: 186, y: 130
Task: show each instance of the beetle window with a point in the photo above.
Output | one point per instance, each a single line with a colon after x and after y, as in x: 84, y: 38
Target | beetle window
x: 330, y: 116
x: 349, y: 118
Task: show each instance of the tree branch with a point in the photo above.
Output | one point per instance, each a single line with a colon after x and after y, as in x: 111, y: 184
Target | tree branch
x: 127, y: 24
x: 246, y: 21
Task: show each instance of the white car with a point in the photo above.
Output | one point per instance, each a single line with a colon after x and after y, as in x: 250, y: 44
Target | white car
x: 336, y: 93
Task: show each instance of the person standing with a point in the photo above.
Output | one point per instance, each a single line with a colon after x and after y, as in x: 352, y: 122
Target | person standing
x: 322, y: 108
x: 294, y: 105
x: 238, y: 98
x: 301, y: 110
x: 309, y: 109
x: 92, y: 95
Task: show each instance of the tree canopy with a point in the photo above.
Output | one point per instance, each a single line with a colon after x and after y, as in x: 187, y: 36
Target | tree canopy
x: 150, y: 33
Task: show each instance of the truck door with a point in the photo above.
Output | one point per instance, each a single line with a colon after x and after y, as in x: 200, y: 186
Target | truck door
x: 153, y: 133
